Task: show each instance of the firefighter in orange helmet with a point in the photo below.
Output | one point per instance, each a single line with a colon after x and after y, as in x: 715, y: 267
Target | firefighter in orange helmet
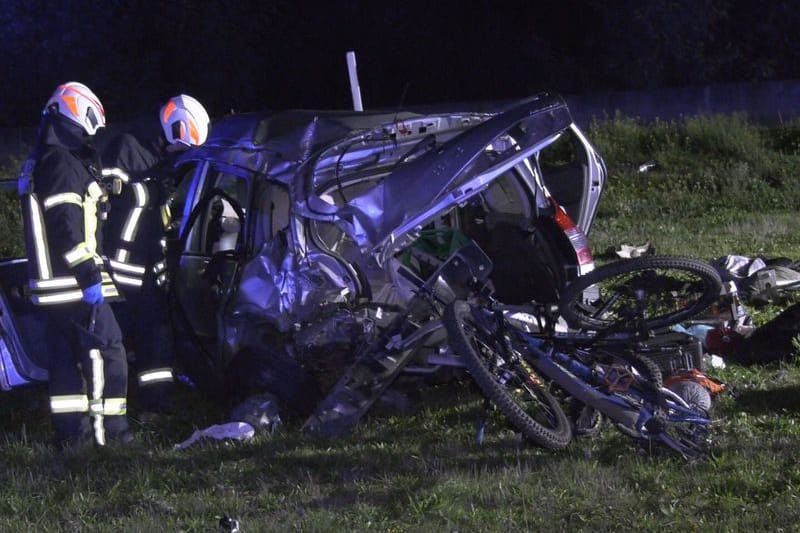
x: 62, y: 203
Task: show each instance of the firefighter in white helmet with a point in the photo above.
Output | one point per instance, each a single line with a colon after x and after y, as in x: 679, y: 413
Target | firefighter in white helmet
x: 134, y: 240
x: 62, y: 204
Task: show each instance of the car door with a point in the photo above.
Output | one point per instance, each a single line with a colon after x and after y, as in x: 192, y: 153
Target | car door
x: 24, y: 344
x: 24, y: 348
x: 574, y: 174
x: 210, y: 244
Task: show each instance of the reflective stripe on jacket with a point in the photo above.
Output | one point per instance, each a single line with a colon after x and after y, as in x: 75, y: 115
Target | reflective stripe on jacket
x: 139, y: 214
x: 123, y: 269
x: 60, y: 212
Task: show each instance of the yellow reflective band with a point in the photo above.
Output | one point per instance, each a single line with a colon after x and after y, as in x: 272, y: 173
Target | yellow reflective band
x: 127, y: 267
x: 97, y: 422
x: 98, y: 379
x: 166, y: 215
x: 37, y: 227
x: 141, y: 194
x: 57, y: 290
x: 69, y: 296
x: 90, y: 219
x: 155, y: 376
x: 117, y: 172
x: 109, y: 289
x: 80, y: 253
x: 61, y: 282
x: 96, y: 402
x: 129, y: 230
x: 99, y: 431
x: 115, y: 406
x: 95, y: 192
x: 63, y: 198
x: 127, y: 280
x: 96, y: 407
x: 122, y: 255
x: 76, y: 403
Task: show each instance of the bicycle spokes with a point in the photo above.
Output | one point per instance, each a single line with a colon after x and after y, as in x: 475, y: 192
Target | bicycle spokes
x: 640, y: 294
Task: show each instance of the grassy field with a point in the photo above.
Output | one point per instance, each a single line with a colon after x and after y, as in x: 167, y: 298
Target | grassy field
x: 720, y: 186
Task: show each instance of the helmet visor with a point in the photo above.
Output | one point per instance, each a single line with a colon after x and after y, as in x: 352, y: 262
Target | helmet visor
x: 92, y: 121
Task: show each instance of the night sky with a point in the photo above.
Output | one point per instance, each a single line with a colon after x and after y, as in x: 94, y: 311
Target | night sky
x: 274, y: 54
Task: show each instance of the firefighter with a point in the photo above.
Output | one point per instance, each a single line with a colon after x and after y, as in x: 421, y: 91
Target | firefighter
x: 62, y: 204
x: 135, y: 238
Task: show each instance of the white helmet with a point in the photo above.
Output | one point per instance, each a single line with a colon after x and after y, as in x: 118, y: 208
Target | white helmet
x: 79, y: 104
x: 184, y: 121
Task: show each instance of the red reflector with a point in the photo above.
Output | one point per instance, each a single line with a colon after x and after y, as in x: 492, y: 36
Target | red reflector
x: 574, y: 233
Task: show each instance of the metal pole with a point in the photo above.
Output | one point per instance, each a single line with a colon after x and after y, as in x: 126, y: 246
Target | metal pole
x: 355, y: 89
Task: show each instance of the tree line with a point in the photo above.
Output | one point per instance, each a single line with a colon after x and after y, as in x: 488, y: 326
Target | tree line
x: 273, y: 54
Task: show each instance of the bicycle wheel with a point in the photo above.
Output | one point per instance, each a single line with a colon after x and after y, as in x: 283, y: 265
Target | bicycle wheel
x: 640, y: 294
x: 504, y: 376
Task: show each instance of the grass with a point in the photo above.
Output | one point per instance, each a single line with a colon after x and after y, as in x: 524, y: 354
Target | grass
x: 721, y: 186
x: 420, y: 473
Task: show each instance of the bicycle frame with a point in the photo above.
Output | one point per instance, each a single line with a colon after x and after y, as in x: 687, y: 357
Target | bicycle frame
x: 628, y: 403
x: 379, y: 362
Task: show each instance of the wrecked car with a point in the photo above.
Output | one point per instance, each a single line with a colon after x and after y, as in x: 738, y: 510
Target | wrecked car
x: 303, y: 239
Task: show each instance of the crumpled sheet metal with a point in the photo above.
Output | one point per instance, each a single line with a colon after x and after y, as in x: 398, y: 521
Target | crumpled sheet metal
x: 277, y: 287
x: 267, y: 288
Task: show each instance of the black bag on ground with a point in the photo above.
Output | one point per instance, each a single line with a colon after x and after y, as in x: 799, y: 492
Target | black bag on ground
x: 772, y: 341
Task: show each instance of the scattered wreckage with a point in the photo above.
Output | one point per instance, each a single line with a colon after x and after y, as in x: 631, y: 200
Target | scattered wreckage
x: 315, y: 252
x: 308, y: 237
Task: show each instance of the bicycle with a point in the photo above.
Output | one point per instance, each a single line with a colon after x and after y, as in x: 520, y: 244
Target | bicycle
x: 507, y: 349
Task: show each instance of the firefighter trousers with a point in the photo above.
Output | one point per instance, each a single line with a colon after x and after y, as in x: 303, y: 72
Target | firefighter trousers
x: 88, y: 374
x: 149, y: 333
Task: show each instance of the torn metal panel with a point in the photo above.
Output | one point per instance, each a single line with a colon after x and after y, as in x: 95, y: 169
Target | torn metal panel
x: 414, y: 186
x: 279, y: 288
x: 302, y: 229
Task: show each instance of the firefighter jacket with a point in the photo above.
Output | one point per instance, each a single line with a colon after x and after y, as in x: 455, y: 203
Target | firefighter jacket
x: 62, y: 203
x: 134, y: 235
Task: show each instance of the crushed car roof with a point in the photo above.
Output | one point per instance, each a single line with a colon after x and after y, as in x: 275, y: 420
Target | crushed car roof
x: 276, y: 144
x: 272, y: 143
x: 269, y: 142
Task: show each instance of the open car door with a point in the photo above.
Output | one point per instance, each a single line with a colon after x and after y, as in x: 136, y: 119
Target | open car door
x: 575, y: 174
x: 210, y: 240
x: 24, y: 348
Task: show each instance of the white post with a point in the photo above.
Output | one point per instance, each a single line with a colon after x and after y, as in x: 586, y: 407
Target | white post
x: 354, y: 87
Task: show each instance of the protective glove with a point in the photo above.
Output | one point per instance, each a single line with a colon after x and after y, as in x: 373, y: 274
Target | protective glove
x: 93, y: 294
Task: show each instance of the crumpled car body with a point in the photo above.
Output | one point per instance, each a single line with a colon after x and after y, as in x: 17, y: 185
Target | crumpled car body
x: 300, y: 230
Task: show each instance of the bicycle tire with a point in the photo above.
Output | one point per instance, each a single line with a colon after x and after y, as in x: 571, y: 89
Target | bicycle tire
x: 648, y: 369
x: 640, y: 294
x: 651, y: 379
x: 587, y: 421
x: 509, y: 384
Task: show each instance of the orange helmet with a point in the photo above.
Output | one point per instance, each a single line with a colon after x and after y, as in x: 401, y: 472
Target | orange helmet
x: 79, y: 104
x: 184, y: 121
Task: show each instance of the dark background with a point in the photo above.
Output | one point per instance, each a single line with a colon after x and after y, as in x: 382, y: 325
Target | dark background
x: 273, y: 54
